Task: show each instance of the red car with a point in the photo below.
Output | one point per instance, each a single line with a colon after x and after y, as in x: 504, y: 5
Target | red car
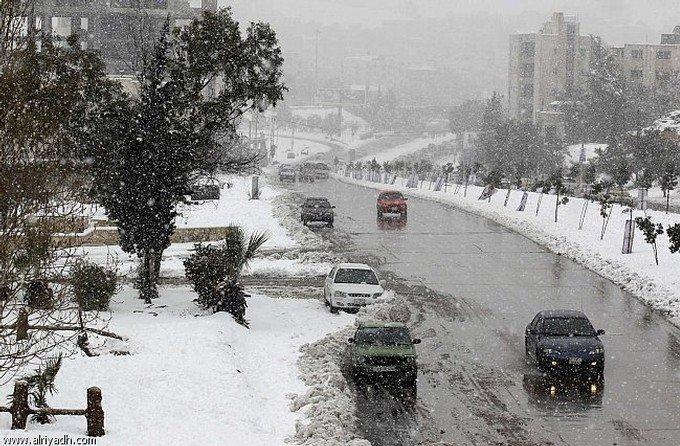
x: 391, y: 203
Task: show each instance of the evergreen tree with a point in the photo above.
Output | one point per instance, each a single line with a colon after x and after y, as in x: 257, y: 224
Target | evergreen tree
x: 194, y: 87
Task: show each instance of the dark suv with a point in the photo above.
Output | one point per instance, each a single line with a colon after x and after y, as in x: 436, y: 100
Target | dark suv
x: 317, y: 209
x: 564, y: 341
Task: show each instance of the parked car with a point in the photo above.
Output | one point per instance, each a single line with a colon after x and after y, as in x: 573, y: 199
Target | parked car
x: 286, y: 173
x: 317, y: 209
x: 290, y: 155
x: 383, y: 348
x: 564, y: 341
x: 391, y: 203
x: 350, y: 286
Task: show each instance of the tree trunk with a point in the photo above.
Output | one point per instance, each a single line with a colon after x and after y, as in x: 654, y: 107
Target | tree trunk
x: 149, y: 277
x: 668, y: 200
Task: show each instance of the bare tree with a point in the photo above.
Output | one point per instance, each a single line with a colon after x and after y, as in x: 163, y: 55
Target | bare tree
x: 47, y: 99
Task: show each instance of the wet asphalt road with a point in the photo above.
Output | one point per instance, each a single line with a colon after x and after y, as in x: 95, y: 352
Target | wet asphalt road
x: 472, y: 286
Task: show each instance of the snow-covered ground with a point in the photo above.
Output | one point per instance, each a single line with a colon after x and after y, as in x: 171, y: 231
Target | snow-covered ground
x: 235, y: 207
x: 283, y: 254
x: 193, y: 378
x: 406, y: 148
x: 659, y: 286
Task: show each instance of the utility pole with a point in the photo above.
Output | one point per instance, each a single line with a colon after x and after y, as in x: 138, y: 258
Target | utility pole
x: 316, y: 68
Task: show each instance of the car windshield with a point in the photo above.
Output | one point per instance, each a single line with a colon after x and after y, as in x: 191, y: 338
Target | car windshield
x: 351, y: 275
x: 391, y: 196
x: 383, y: 336
x: 319, y: 203
x: 567, y: 327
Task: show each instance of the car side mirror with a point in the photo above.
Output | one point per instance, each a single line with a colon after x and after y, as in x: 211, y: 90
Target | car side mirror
x: 382, y: 283
x: 600, y: 332
x: 350, y: 340
x: 416, y: 341
x: 332, y: 207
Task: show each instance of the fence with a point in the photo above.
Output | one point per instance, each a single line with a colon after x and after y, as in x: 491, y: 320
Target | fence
x: 20, y: 410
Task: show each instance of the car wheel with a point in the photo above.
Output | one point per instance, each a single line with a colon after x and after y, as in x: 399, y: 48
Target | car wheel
x: 404, y: 215
x: 379, y: 216
x: 330, y: 224
x: 334, y: 310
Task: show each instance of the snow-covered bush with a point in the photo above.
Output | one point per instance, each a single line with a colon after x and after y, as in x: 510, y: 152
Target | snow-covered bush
x: 205, y: 269
x: 214, y: 272
x: 93, y: 286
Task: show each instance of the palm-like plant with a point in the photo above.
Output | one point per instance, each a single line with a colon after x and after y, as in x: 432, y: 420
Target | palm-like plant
x: 215, y: 272
x: 239, y: 251
x: 41, y: 384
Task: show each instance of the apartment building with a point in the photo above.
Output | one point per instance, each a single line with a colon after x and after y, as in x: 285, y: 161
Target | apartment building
x: 110, y: 25
x: 550, y: 62
x: 648, y: 64
x: 542, y: 66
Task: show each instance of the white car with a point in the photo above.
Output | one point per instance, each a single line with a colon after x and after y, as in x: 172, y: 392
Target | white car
x: 350, y: 286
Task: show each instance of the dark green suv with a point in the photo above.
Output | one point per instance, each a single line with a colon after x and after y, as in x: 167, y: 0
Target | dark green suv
x: 383, y: 348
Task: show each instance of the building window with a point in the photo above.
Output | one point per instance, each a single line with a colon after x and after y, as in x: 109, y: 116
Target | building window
x: 528, y: 49
x: 636, y: 74
x: 663, y: 54
x: 527, y: 70
x: 84, y: 23
x: 636, y: 54
x: 61, y: 26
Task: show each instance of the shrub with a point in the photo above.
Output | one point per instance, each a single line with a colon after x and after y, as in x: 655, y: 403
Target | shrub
x: 214, y: 272
x: 39, y: 295
x: 205, y: 269
x: 231, y: 297
x: 93, y: 286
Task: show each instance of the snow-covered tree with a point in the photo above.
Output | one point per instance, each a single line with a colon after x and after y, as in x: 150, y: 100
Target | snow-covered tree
x: 194, y: 87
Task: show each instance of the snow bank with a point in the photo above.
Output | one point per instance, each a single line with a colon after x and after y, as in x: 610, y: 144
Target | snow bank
x: 192, y: 378
x: 658, y: 286
x: 329, y: 403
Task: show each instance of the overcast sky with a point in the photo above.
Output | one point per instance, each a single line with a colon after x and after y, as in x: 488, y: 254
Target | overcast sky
x: 609, y: 18
x: 467, y: 40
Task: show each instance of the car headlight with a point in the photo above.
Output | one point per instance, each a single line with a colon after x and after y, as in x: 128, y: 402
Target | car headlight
x: 339, y: 294
x: 376, y: 295
x: 597, y: 351
x: 551, y: 351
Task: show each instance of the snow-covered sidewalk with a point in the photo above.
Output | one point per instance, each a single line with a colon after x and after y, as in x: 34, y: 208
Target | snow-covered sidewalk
x: 193, y: 378
x: 658, y: 286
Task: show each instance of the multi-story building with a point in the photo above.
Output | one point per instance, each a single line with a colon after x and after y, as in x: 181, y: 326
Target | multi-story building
x: 549, y: 63
x: 648, y: 64
x: 111, y: 26
x: 544, y: 65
